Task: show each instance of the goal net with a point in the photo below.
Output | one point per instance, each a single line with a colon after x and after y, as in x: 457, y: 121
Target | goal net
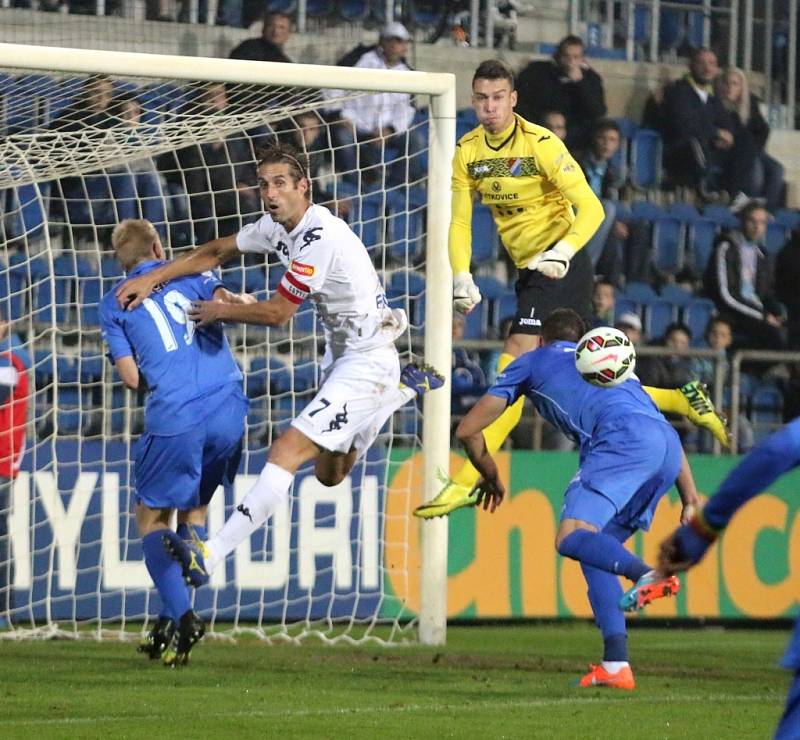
x: 90, y: 139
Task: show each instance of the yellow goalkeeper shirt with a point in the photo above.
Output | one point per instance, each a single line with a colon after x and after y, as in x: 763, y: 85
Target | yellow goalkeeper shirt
x: 531, y: 182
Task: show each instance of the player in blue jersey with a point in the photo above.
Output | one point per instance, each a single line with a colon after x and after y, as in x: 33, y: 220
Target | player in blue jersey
x: 188, y: 449
x: 769, y: 460
x: 629, y: 457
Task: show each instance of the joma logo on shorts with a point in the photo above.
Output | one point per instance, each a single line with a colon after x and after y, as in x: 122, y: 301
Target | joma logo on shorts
x: 530, y: 322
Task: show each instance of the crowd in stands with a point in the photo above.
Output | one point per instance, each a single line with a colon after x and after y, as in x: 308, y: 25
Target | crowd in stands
x: 680, y: 260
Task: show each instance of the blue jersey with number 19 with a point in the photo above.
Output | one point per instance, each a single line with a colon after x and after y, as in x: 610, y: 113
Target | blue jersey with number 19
x: 189, y: 371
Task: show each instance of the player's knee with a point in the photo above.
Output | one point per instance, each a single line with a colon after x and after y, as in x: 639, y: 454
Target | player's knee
x: 331, y: 471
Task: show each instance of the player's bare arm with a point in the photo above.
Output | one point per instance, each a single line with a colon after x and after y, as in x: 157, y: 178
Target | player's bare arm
x: 128, y: 372
x: 275, y: 312
x: 223, y: 295
x: 687, y: 490
x: 205, y: 257
x: 470, y: 435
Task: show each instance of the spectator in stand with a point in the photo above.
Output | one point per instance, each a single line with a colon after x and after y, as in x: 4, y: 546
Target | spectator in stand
x: 603, y: 303
x: 555, y: 121
x: 14, y: 364
x: 719, y: 337
x: 739, y: 279
x: 275, y: 32
x: 145, y: 175
x: 787, y: 280
x: 700, y: 147
x: 217, y: 176
x: 618, y: 246
x: 673, y: 370
x: 631, y: 326
x: 97, y: 199
x: 749, y: 125
x: 468, y: 382
x: 382, y: 120
x: 566, y: 84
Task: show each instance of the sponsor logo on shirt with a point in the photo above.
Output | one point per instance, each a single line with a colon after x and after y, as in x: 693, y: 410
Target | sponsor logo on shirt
x: 301, y: 269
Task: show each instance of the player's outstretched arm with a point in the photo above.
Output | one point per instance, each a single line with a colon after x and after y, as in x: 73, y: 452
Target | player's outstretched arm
x: 275, y: 312
x: 470, y: 435
x: 224, y: 295
x: 687, y: 490
x: 208, y: 256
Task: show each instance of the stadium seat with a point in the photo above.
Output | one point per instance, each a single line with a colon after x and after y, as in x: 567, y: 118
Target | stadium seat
x: 720, y: 215
x: 27, y: 210
x: 646, y: 210
x: 281, y: 6
x: 766, y: 409
x: 696, y: 315
x: 305, y: 320
x: 645, y: 159
x: 788, y: 217
x: 305, y: 378
x: 475, y: 323
x: 675, y: 295
x: 658, y: 316
x: 683, y: 211
x: 408, y: 282
x: 318, y: 8
x: 668, y: 244
x: 484, y: 235
x: 700, y: 236
x: 776, y: 237
x: 367, y: 218
x: 624, y: 305
x: 405, y: 222
x: 90, y: 292
x: 353, y: 10
x: 640, y: 292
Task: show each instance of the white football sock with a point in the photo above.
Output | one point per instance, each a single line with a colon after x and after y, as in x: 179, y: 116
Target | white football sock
x: 614, y: 666
x: 268, y: 493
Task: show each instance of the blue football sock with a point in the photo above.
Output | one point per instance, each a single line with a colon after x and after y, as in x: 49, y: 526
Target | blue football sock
x: 200, y: 531
x: 166, y: 575
x: 604, y: 552
x: 604, y: 595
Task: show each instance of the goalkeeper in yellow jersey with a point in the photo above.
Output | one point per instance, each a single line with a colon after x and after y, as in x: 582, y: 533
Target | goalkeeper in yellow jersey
x: 545, y: 212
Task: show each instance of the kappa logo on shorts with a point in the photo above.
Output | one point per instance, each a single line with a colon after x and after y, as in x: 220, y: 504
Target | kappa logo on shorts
x: 302, y: 269
x: 338, y: 421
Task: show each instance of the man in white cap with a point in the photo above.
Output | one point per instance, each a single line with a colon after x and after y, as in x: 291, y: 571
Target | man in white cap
x: 630, y: 325
x: 383, y: 119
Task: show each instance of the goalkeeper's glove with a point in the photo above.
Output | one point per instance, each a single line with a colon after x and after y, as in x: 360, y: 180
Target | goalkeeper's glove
x: 465, y: 293
x: 554, y: 263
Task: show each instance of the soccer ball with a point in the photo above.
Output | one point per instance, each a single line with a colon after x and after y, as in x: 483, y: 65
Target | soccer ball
x: 605, y: 357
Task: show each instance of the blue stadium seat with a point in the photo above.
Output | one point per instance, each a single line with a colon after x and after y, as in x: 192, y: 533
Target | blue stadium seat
x: 625, y: 305
x: 700, y: 238
x: 484, y: 235
x: 658, y: 316
x: 506, y: 308
x: 90, y: 292
x: 27, y: 210
x: 640, y: 292
x: 407, y: 282
x: 305, y: 377
x: 305, y: 320
x: 766, y: 408
x: 776, y: 238
x: 720, y: 215
x: 353, y: 10
x: 788, y: 217
x: 405, y: 227
x: 318, y: 8
x: 683, y: 211
x: 696, y: 315
x: 646, y: 210
x: 675, y: 295
x: 474, y: 323
x: 494, y: 292
x: 645, y: 159
x: 668, y: 244
x: 367, y: 219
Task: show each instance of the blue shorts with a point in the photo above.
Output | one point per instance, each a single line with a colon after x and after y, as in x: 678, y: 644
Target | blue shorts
x: 183, y: 471
x: 626, y: 468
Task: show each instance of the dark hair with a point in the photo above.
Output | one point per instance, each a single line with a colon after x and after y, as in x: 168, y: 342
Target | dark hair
x: 695, y: 53
x: 605, y: 124
x: 282, y: 153
x: 269, y: 14
x: 563, y: 324
x: 748, y: 208
x: 494, y: 69
x: 677, y: 326
x: 604, y: 281
x: 117, y: 105
x: 571, y: 40
x: 721, y: 319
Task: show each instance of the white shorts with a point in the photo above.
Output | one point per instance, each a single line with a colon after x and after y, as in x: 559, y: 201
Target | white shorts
x: 353, y: 401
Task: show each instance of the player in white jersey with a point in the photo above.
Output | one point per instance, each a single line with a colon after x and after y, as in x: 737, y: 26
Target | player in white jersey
x: 362, y: 383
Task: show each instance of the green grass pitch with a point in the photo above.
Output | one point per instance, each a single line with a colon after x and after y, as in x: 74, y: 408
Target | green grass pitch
x: 488, y: 682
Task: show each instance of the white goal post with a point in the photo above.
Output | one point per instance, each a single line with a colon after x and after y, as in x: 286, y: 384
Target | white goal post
x: 439, y: 89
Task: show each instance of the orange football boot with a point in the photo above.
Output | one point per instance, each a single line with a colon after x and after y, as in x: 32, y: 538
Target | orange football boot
x: 599, y: 676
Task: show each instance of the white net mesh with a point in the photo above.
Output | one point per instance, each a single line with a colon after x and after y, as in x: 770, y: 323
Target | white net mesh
x: 81, y: 153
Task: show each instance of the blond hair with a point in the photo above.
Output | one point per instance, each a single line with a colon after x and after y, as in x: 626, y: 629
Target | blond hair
x: 742, y: 106
x: 133, y: 241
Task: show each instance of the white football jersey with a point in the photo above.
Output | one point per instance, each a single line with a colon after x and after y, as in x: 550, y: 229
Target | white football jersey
x: 327, y: 263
